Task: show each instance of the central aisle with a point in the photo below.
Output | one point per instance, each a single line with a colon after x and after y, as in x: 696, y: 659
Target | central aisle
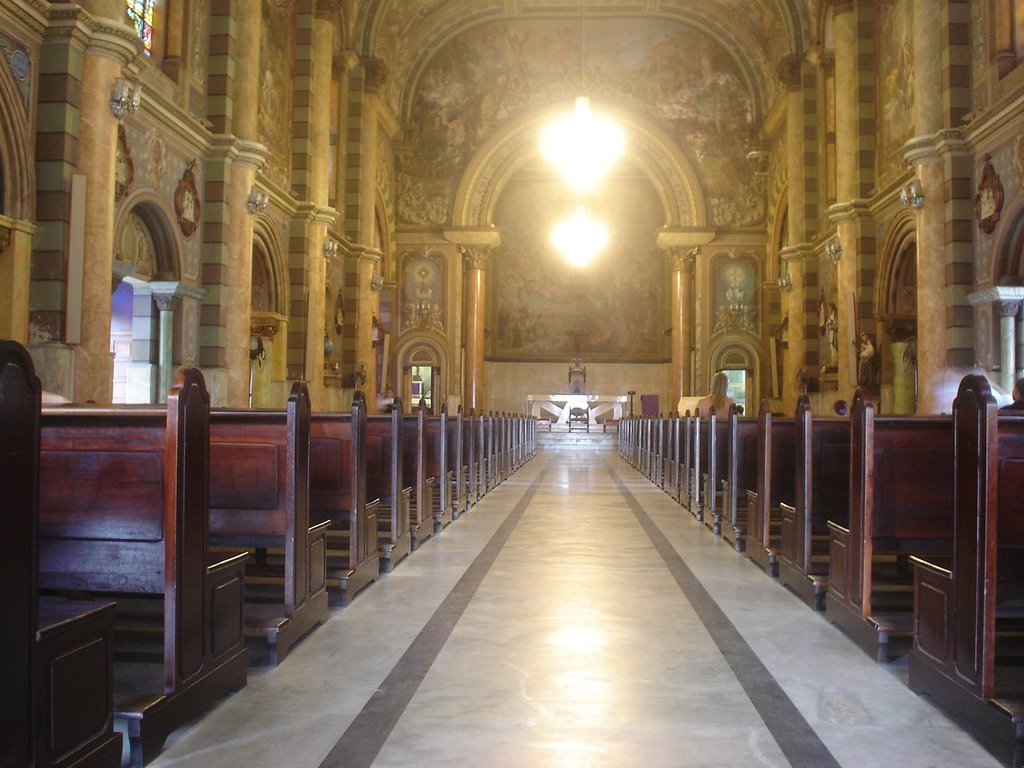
x: 575, y: 617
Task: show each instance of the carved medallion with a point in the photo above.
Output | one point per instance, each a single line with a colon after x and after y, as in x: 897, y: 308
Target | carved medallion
x: 124, y: 168
x: 988, y: 203
x: 186, y: 202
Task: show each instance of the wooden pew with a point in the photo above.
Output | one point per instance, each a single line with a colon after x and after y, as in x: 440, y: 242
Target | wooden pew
x: 56, y: 657
x: 967, y: 620
x: 822, y: 464
x: 901, y: 492
x: 741, y: 476
x: 469, y: 443
x: 415, y: 459
x: 686, y: 460
x: 337, y: 491
x: 715, y: 470
x: 673, y: 446
x: 384, y: 482
x: 775, y: 486
x: 698, y: 466
x: 436, y: 466
x: 457, y: 465
x: 123, y: 510
x: 259, y: 498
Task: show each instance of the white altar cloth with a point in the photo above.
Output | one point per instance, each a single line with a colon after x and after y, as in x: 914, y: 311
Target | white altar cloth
x: 558, y: 406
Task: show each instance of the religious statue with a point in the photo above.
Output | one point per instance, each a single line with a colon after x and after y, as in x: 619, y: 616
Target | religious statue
x: 577, y: 378
x: 832, y: 336
x: 867, y: 364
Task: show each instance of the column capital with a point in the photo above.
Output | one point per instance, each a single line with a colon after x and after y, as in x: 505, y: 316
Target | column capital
x: 475, y: 257
x: 841, y: 6
x: 790, y: 70
x: 486, y: 237
x: 226, y: 147
x: 852, y: 210
x: 164, y: 301
x: 327, y: 10
x: 344, y: 61
x: 96, y: 36
x: 375, y: 73
x: 1003, y: 295
x: 683, y: 259
x: 795, y: 254
x: 932, y: 148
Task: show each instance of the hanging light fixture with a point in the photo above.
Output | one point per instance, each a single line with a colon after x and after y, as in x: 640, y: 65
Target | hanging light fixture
x: 579, y: 238
x: 583, y: 146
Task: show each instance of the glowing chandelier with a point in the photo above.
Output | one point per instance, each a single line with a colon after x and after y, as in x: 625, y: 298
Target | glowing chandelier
x: 580, y: 238
x: 583, y: 146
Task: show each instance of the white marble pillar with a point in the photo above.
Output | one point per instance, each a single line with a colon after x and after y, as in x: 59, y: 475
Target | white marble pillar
x: 165, y: 350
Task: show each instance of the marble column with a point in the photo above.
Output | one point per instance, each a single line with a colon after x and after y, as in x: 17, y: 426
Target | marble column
x: 165, y: 345
x: 683, y: 261
x: 97, y: 147
x: 1008, y: 311
x: 795, y: 372
x: 475, y: 260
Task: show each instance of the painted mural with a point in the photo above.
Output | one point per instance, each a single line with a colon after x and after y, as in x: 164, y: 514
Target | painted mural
x: 895, y: 83
x: 735, y: 288
x: 423, y: 291
x: 540, y: 306
x: 672, y: 74
x: 275, y: 76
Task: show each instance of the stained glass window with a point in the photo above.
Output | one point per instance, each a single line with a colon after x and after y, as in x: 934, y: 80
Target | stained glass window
x: 141, y: 14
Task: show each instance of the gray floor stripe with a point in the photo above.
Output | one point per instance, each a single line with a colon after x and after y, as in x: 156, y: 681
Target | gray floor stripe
x: 362, y: 741
x: 794, y: 735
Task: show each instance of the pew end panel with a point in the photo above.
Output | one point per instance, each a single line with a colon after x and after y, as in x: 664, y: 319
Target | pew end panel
x: 143, y: 536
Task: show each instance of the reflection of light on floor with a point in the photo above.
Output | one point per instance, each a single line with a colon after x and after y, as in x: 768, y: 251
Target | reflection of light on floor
x: 578, y: 639
x: 573, y: 754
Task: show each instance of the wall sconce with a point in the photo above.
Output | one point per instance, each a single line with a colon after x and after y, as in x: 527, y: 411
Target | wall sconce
x: 911, y: 194
x: 258, y: 201
x: 376, y: 281
x: 257, y: 351
x: 834, y: 250
x: 125, y: 98
x: 330, y: 248
x: 328, y: 345
x: 784, y: 283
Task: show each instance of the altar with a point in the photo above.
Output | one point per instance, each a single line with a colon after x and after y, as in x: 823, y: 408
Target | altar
x: 557, y: 407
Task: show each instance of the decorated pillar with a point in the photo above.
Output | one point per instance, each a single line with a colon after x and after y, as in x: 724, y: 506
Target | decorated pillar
x: 683, y: 262
x: 796, y: 371
x: 165, y: 345
x: 368, y: 277
x: 475, y: 260
x: 110, y: 48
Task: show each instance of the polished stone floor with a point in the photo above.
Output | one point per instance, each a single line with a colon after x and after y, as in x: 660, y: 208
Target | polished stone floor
x: 575, y: 617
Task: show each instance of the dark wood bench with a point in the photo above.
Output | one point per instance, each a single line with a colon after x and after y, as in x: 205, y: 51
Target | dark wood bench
x: 901, y: 504
x: 715, y: 470
x: 685, y: 459
x: 259, y: 499
x: 699, y: 442
x: 672, y: 452
x: 56, y: 657
x: 822, y: 493
x: 968, y: 621
x: 123, y: 511
x: 740, y: 477
x: 457, y: 468
x: 437, y: 469
x: 775, y: 486
x: 415, y: 452
x: 384, y: 482
x: 337, y: 469
x: 471, y: 446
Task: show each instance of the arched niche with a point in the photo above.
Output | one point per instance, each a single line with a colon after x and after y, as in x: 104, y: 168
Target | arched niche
x: 896, y: 308
x: 268, y: 319
x: 146, y: 305
x: 17, y: 177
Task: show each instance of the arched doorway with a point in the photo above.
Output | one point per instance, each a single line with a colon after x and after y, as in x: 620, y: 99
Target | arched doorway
x: 422, y: 365
x: 142, y: 307
x: 268, y: 323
